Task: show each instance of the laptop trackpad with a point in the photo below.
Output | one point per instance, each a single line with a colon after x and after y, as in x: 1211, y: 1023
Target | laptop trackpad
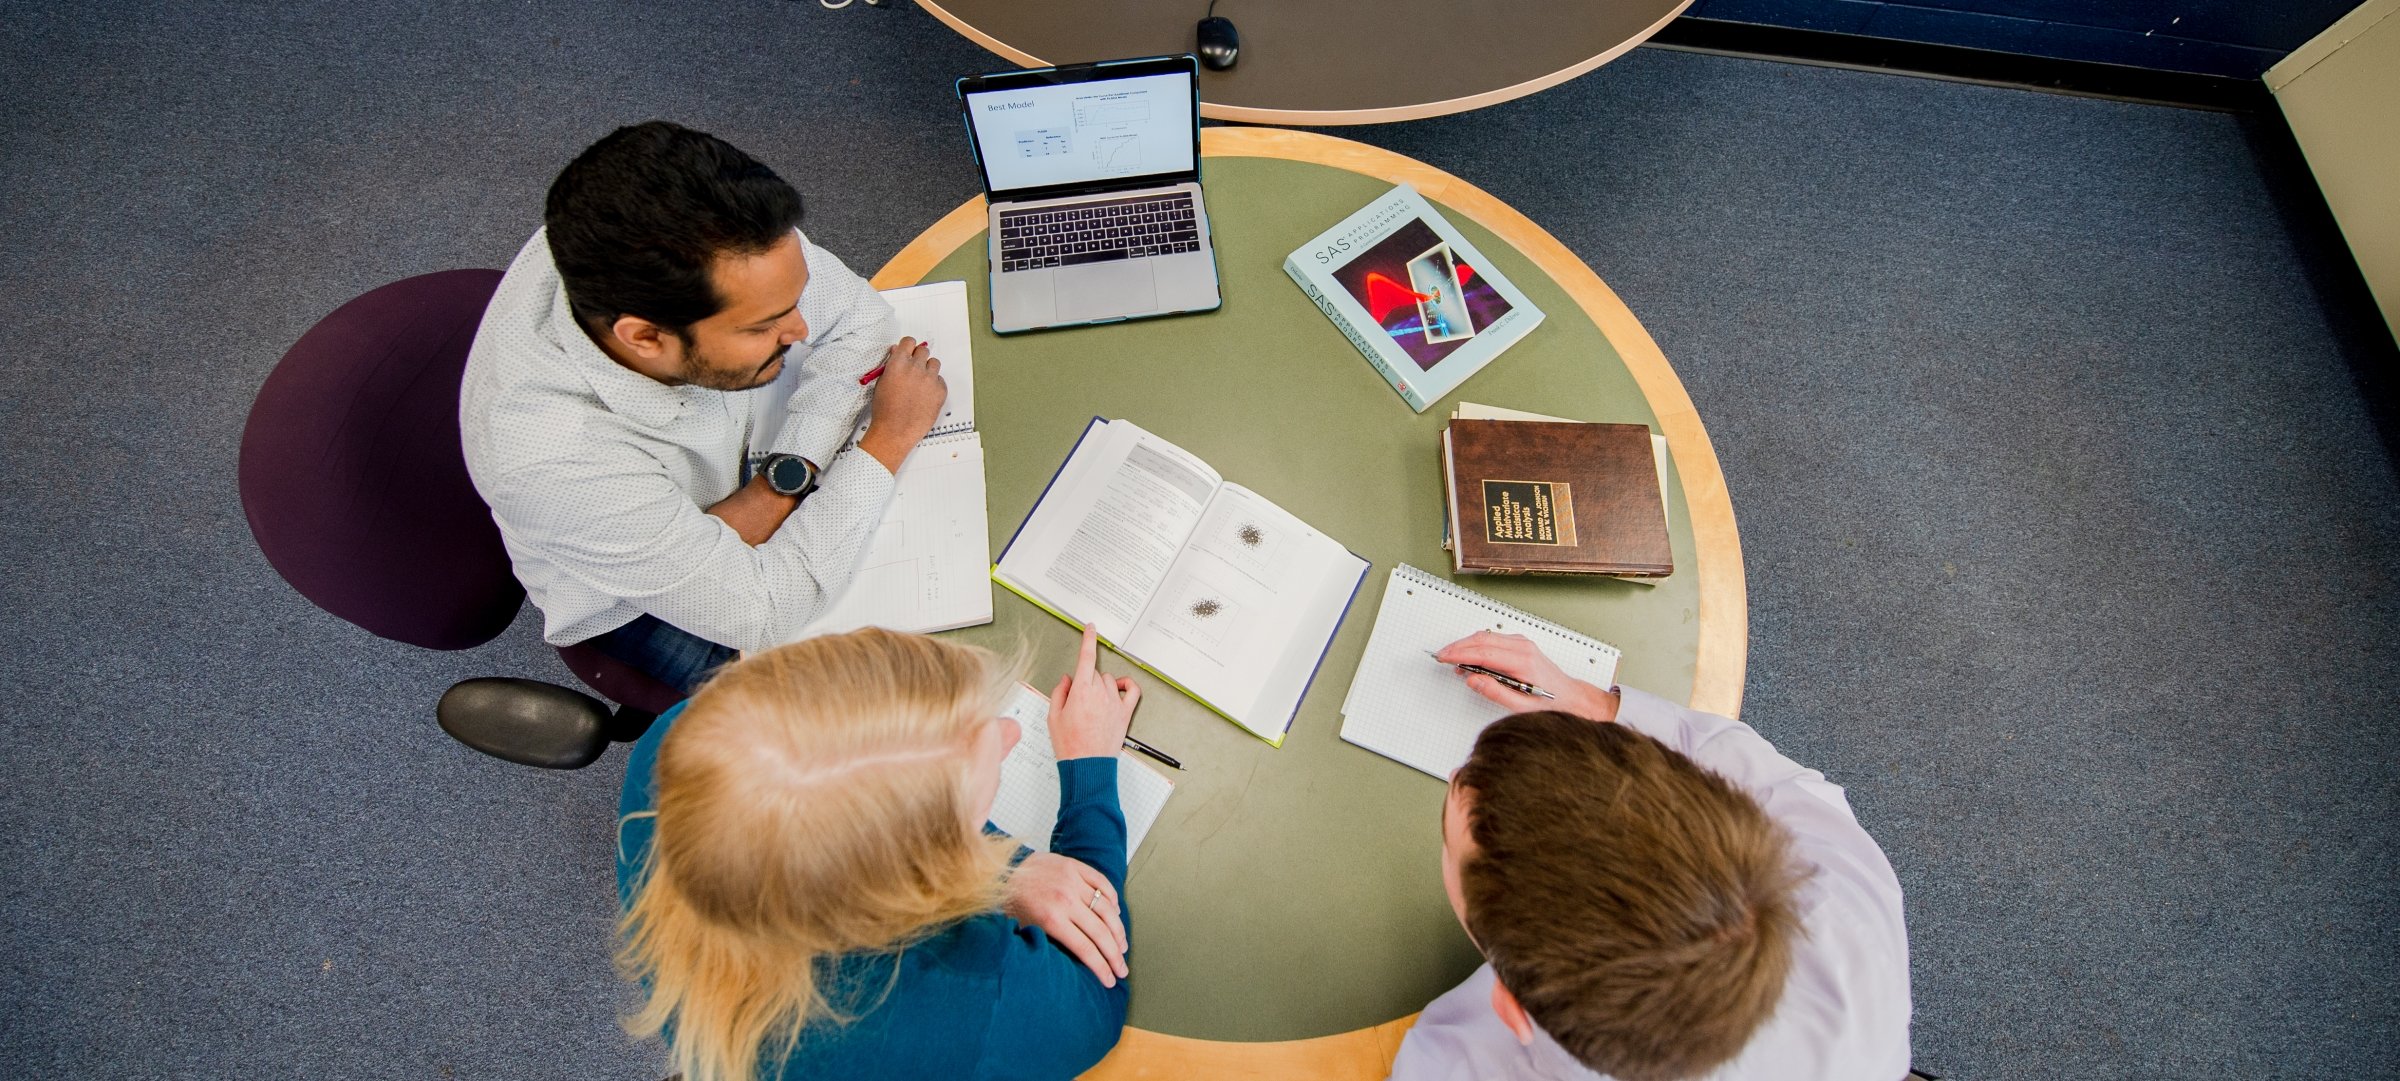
x: 1094, y: 291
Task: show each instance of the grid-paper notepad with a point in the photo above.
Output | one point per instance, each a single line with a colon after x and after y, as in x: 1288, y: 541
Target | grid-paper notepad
x: 1027, y: 806
x: 1414, y: 710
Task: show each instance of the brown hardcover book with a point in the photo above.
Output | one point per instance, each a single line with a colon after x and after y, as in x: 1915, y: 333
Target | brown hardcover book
x: 1535, y: 497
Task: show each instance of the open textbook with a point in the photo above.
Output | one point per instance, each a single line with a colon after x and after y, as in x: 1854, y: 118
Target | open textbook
x: 928, y: 565
x: 1205, y: 584
x: 1027, y: 805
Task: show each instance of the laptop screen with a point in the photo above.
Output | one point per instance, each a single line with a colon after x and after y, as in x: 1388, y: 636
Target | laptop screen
x: 1052, y: 131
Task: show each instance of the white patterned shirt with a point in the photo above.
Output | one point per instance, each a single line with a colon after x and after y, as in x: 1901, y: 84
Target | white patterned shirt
x: 600, y: 477
x: 1845, y: 1007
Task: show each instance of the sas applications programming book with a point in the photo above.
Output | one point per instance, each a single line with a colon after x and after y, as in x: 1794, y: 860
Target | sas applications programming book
x: 1419, y: 301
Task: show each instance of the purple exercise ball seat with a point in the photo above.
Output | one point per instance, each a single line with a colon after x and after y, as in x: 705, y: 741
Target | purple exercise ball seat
x: 356, y: 489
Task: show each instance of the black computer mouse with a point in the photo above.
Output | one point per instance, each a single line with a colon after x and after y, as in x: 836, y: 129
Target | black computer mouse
x: 1220, y: 46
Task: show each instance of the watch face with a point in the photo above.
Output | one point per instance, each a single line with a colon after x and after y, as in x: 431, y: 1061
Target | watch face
x: 788, y: 474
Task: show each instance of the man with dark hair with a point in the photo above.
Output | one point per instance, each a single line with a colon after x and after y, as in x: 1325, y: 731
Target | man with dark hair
x: 668, y: 491
x: 1660, y: 896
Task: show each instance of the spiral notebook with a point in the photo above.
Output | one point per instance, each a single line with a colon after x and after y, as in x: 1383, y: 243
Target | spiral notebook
x: 1418, y: 712
x: 927, y: 567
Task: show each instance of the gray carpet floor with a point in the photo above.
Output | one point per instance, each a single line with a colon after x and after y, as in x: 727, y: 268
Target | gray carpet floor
x: 2069, y: 537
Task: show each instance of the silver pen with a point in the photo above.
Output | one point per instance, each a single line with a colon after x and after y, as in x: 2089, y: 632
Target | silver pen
x: 1510, y: 682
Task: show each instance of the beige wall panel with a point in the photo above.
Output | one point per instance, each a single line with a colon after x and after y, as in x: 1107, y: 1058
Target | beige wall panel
x: 2341, y: 94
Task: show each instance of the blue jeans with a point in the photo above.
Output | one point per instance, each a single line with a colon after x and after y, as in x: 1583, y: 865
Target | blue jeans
x: 669, y: 654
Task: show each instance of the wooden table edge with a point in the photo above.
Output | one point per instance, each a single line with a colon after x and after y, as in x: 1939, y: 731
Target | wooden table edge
x: 1724, y: 631
x: 1338, y: 117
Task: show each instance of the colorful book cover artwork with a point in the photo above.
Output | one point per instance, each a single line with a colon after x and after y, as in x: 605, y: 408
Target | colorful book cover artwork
x: 1424, y: 295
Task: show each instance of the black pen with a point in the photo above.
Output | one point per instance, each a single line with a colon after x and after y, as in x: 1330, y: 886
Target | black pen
x: 1510, y: 682
x: 1152, y: 752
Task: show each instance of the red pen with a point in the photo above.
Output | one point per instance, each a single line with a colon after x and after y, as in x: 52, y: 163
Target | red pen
x: 877, y: 373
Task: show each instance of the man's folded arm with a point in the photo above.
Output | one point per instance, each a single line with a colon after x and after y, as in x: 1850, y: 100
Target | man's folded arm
x: 850, y: 328
x: 626, y: 531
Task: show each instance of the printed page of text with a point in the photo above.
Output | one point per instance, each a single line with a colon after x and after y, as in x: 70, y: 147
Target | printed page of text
x: 1102, y: 540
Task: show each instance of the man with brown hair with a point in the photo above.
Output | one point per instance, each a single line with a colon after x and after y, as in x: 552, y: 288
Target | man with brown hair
x: 1660, y: 896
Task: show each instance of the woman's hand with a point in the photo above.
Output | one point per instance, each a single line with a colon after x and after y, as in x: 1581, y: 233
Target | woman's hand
x: 1515, y: 656
x: 1090, y: 709
x: 1075, y: 906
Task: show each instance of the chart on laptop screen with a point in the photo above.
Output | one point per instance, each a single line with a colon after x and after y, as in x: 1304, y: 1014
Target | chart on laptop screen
x: 1082, y: 132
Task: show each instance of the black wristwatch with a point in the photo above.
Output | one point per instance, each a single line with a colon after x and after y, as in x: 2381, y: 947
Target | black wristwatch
x: 789, y: 474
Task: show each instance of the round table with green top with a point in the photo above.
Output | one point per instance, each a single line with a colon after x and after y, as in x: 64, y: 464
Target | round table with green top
x: 1288, y: 909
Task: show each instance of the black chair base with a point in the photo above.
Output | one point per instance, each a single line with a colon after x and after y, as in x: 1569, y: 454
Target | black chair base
x: 627, y: 724
x: 528, y: 722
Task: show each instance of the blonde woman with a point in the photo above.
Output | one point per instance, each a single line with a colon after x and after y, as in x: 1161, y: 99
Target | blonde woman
x: 811, y: 891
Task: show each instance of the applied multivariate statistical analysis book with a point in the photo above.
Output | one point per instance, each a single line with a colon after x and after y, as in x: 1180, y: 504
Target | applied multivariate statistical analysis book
x: 1420, y: 302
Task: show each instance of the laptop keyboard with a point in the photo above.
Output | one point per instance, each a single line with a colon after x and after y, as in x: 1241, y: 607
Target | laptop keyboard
x: 1056, y: 236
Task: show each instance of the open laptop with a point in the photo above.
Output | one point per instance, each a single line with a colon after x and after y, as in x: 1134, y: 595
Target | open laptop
x: 1092, y: 172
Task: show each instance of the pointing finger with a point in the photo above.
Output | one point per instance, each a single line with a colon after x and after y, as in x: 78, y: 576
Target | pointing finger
x: 1087, y: 655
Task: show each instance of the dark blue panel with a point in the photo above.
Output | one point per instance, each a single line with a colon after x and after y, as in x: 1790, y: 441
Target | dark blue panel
x: 2152, y: 51
x: 2281, y: 27
x: 2278, y: 26
x: 1836, y: 16
x: 2192, y: 28
x: 2122, y: 15
x: 1939, y: 27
